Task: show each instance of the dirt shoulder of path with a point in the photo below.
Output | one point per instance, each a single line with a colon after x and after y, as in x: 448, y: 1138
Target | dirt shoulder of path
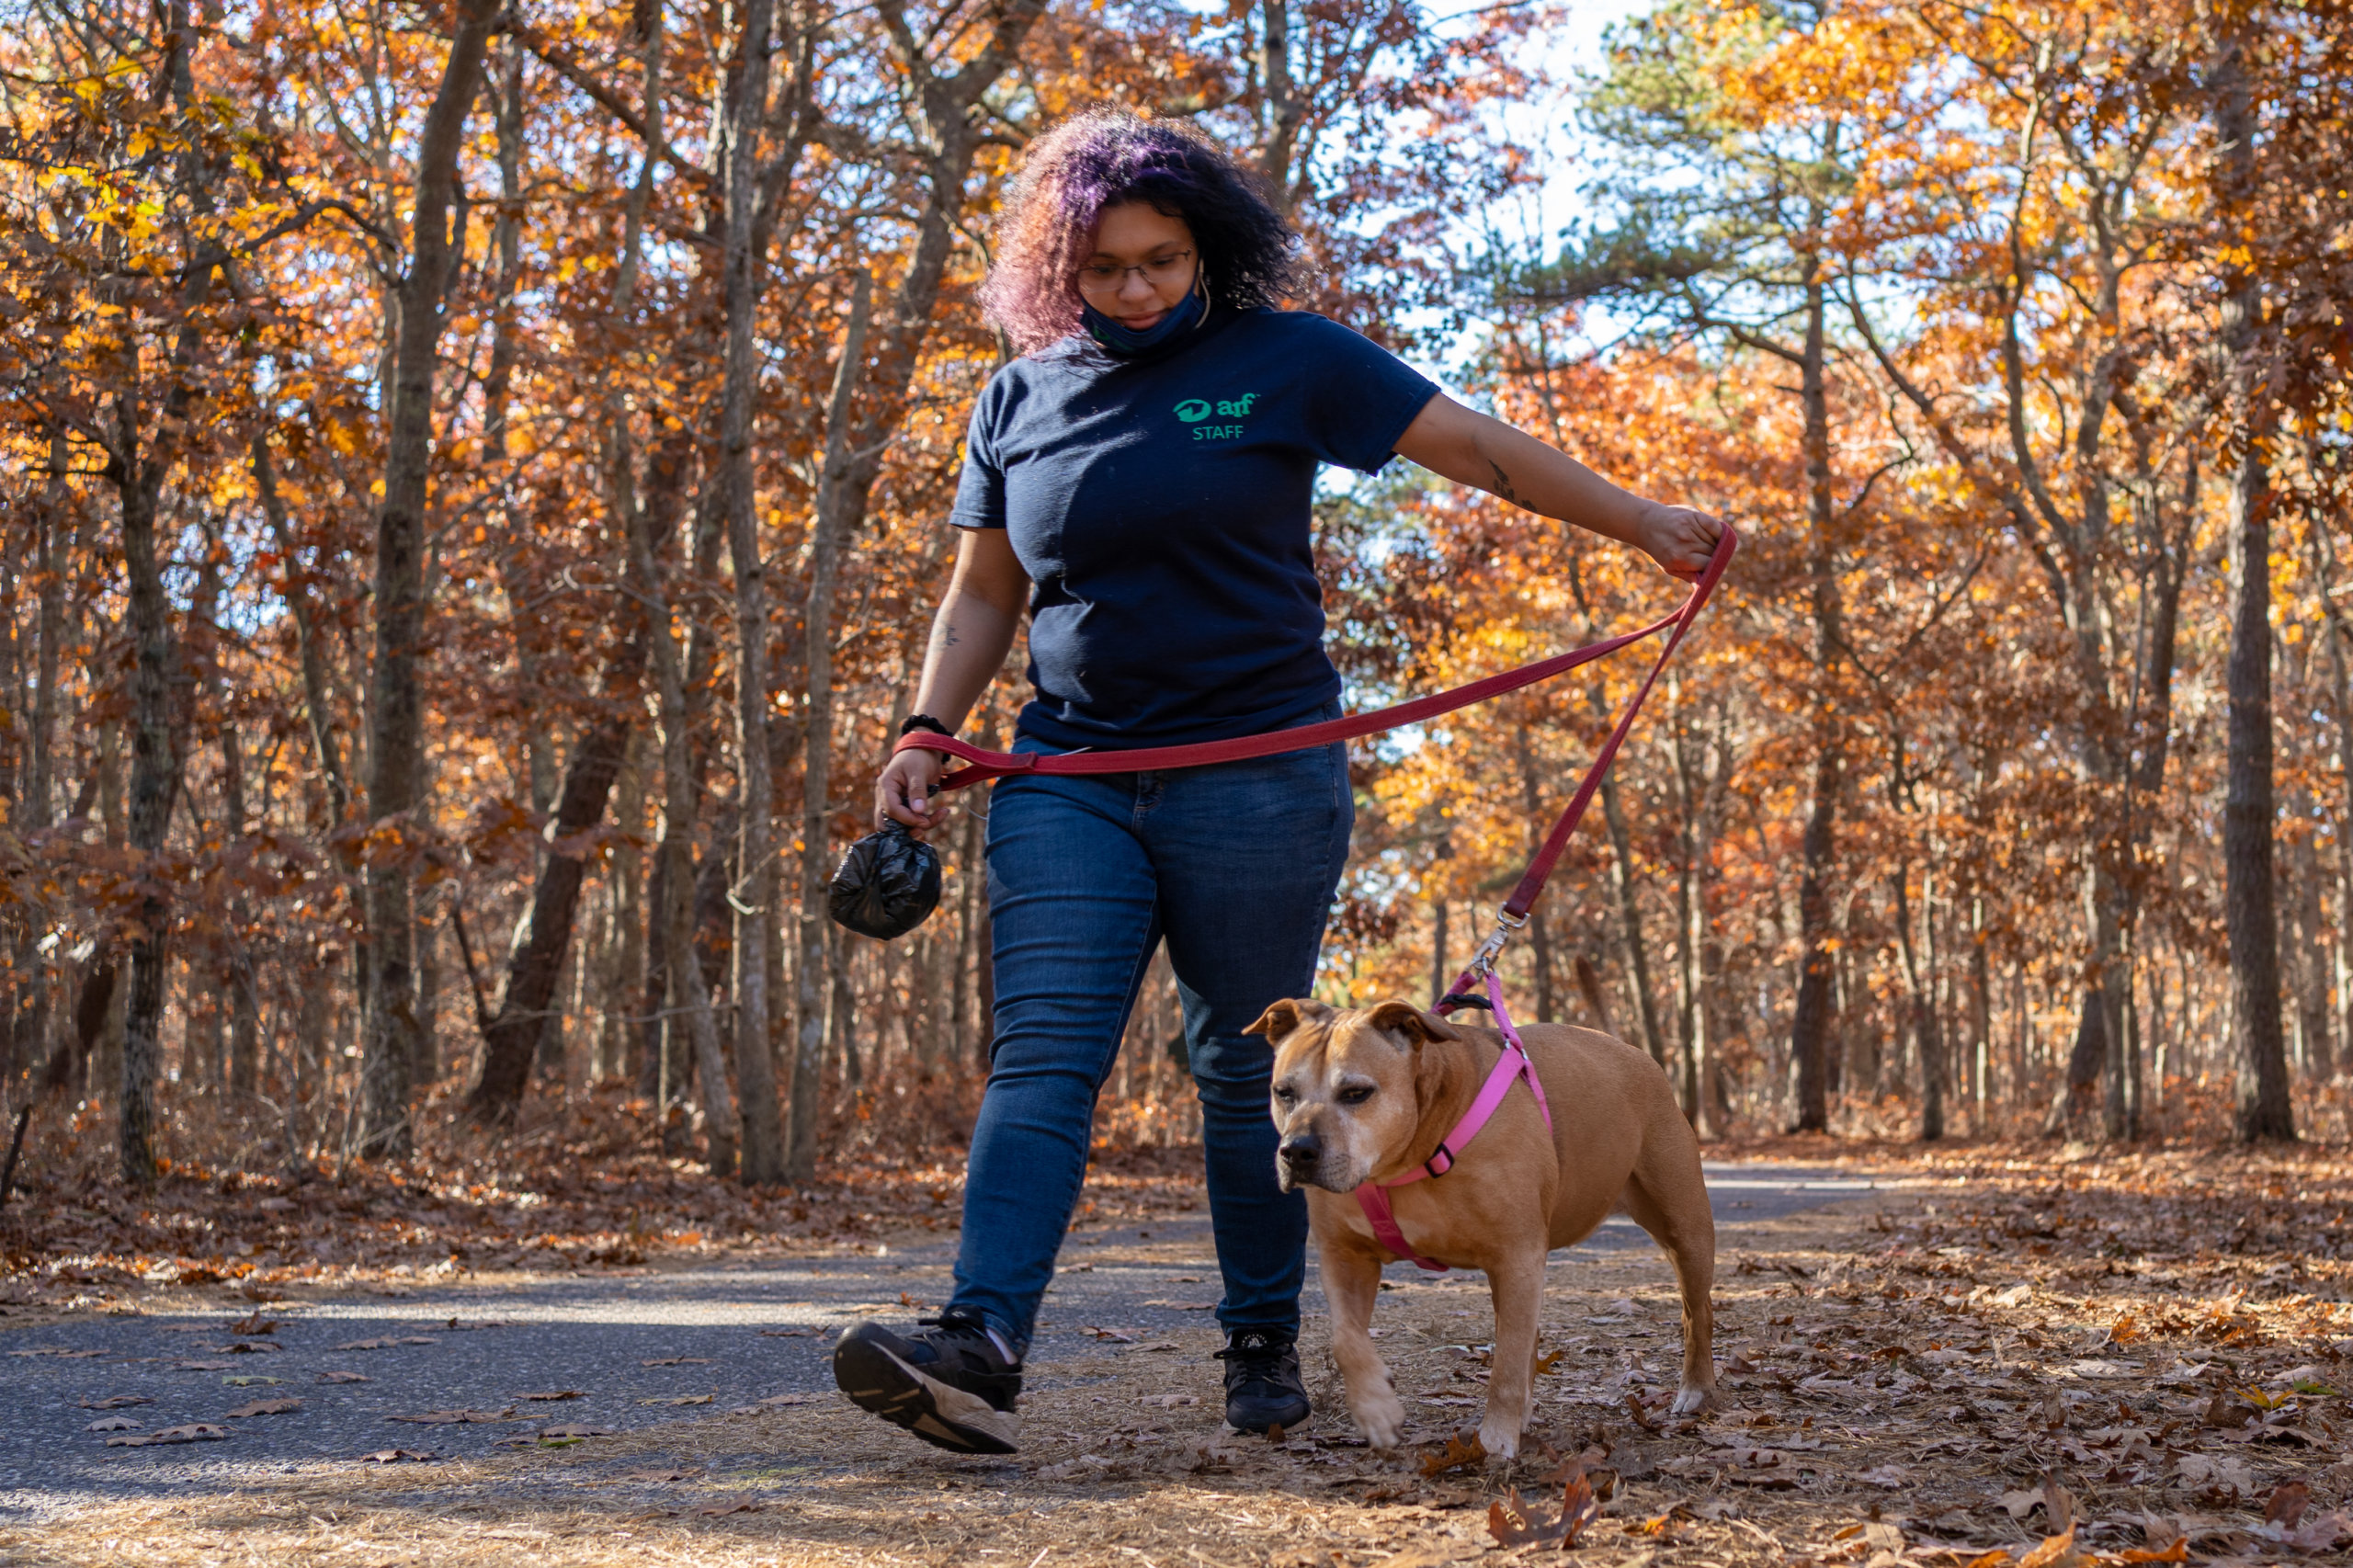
x: 1915, y: 1376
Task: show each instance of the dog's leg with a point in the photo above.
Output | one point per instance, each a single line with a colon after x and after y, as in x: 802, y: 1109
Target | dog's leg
x: 1352, y: 1284
x: 1677, y: 1214
x: 1518, y: 1288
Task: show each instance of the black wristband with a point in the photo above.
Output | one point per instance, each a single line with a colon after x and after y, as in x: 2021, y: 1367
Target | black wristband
x: 914, y: 721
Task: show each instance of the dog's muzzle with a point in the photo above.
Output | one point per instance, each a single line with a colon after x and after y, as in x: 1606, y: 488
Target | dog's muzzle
x: 1296, y: 1159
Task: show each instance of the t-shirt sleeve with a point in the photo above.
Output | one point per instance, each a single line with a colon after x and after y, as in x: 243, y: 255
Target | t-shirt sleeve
x: 980, y: 491
x: 1363, y: 396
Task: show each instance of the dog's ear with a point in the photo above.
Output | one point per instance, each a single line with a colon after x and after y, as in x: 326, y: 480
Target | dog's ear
x: 1404, y: 1018
x: 1286, y: 1016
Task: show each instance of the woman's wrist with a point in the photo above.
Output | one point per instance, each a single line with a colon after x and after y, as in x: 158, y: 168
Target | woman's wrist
x: 914, y: 721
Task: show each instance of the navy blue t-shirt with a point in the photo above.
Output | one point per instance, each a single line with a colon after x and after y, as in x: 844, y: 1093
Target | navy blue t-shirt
x: 1161, y: 507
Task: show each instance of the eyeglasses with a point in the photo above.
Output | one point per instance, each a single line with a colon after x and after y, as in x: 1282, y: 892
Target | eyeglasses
x: 1104, y: 277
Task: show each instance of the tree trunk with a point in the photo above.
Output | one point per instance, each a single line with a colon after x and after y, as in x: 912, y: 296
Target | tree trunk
x: 2250, y: 911
x: 1629, y: 915
x: 1810, y: 1025
x: 686, y: 1000
x: 1286, y: 108
x: 396, y: 716
x: 48, y: 521
x: 1441, y: 973
x: 831, y: 524
x: 535, y: 965
x: 2340, y: 657
x: 744, y: 279
x: 154, y: 781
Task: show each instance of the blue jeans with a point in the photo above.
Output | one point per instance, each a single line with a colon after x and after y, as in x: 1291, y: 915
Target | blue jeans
x: 1235, y: 865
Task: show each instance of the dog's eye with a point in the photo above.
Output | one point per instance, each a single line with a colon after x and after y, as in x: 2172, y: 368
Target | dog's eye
x: 1287, y: 1095
x: 1356, y: 1094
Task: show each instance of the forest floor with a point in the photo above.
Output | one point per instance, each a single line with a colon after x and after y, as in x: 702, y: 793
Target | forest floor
x: 1927, y: 1359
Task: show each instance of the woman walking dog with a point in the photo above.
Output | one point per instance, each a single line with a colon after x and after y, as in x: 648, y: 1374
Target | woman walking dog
x: 1141, y: 479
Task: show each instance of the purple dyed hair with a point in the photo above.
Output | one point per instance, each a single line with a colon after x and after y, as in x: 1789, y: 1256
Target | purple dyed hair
x: 1248, y: 254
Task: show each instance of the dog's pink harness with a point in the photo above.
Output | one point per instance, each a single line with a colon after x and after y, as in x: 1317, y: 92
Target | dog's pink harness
x: 1373, y: 1197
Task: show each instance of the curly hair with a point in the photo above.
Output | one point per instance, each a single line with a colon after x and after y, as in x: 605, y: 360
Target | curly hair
x: 1248, y: 254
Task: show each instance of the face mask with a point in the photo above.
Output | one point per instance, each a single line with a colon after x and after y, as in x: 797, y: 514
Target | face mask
x: 1126, y: 340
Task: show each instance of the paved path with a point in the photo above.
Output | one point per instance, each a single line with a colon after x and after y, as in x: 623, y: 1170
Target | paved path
x: 636, y: 1347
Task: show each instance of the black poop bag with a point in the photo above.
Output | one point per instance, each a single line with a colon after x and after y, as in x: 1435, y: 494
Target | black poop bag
x: 887, y: 885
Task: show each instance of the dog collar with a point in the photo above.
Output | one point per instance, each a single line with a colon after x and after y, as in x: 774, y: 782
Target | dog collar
x: 1512, y: 1066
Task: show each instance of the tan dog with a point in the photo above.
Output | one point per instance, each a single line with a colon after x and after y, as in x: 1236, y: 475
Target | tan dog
x: 1367, y: 1093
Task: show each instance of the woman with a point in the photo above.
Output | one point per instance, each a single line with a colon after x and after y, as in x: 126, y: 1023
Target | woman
x: 1141, y: 478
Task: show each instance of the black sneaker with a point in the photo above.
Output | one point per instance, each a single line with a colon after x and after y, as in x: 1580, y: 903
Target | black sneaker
x: 1263, y: 1387
x: 947, y: 1382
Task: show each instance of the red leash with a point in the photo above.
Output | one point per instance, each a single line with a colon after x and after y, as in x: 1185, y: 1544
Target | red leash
x: 1514, y: 1064
x: 984, y: 765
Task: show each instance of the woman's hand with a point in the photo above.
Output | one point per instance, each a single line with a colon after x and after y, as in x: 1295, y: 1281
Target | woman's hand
x: 1680, y: 539
x: 902, y: 794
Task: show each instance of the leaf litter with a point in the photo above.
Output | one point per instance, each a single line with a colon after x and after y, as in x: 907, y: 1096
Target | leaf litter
x: 1938, y: 1338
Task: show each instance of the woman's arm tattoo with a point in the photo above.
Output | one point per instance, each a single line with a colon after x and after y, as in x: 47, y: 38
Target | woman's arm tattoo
x: 1503, y: 483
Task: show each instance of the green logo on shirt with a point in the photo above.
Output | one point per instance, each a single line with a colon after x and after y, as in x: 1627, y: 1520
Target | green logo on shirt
x: 1194, y: 410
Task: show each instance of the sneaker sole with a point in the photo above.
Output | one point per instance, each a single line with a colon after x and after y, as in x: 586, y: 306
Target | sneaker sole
x: 947, y: 1417
x: 1304, y: 1411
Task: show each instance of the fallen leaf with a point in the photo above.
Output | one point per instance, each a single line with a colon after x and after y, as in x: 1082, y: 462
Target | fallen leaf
x: 1658, y: 1524
x: 385, y: 1344
x: 266, y: 1408
x: 567, y: 1434
x: 1894, y: 1477
x: 345, y: 1377
x: 2177, y: 1552
x: 455, y: 1417
x: 1456, y: 1455
x: 196, y: 1432
x: 778, y: 1399
x: 247, y: 1382
x: 676, y: 1361
x: 740, y: 1505
x: 1159, y: 1344
x: 2215, y: 1470
x: 116, y: 1401
x: 2021, y: 1503
x: 2287, y: 1504
x: 1169, y: 1400
x: 787, y: 1333
x: 397, y: 1456
x: 682, y: 1398
x: 112, y: 1423
x: 255, y: 1324
x: 1521, y: 1523
x: 2057, y: 1552
x: 1113, y: 1334
x: 1546, y: 1360
x: 558, y: 1393
x: 203, y: 1365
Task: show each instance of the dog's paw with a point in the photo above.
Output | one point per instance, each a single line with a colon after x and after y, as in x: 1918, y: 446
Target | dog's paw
x: 1692, y: 1401
x: 1501, y: 1439
x: 1381, y: 1419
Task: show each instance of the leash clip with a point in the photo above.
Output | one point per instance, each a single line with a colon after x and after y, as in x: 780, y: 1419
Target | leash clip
x: 1483, y: 960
